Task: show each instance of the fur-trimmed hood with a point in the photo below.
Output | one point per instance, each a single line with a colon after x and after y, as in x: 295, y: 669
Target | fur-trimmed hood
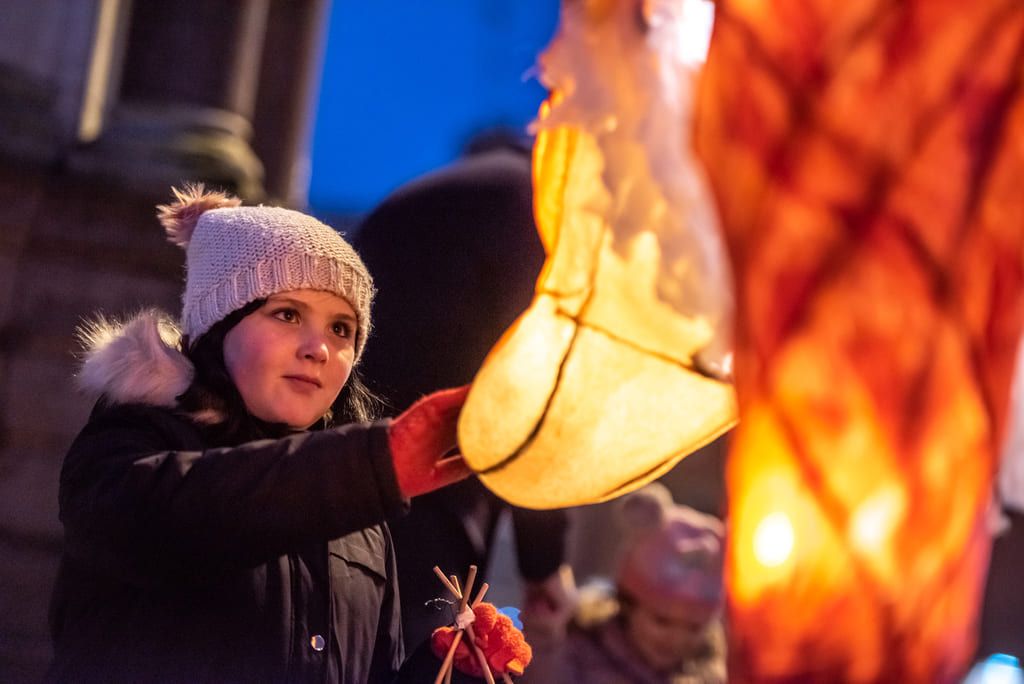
x: 134, y: 362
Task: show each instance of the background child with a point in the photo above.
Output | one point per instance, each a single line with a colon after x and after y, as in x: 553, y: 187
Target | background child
x: 659, y: 624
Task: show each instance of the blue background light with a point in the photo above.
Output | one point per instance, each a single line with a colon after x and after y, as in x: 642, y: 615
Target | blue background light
x: 998, y: 668
x: 406, y: 85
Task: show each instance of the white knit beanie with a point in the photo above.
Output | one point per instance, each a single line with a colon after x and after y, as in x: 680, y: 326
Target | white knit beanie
x: 236, y: 255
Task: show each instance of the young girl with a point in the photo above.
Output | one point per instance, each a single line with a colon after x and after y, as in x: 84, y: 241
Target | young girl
x: 661, y: 622
x: 224, y: 506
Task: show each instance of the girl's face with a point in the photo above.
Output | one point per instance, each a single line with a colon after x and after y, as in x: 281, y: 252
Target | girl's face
x: 290, y: 358
x: 668, y: 634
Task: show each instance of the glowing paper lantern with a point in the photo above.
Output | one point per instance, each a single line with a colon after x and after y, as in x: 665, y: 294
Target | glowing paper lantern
x: 867, y: 160
x: 615, y: 371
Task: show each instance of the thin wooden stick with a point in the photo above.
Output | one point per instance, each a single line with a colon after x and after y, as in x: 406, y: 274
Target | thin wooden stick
x: 447, y: 583
x: 463, y: 594
x: 505, y: 678
x: 449, y: 657
x: 480, y: 596
x: 480, y: 655
x: 470, y: 579
x: 447, y: 665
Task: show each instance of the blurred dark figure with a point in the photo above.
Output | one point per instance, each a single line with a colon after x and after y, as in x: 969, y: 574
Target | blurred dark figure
x: 1002, y: 615
x: 455, y: 255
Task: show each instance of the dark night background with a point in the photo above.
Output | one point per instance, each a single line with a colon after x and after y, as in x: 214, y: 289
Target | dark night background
x: 328, y: 107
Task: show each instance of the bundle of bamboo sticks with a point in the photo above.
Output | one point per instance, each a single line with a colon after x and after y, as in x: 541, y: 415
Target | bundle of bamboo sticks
x: 461, y: 593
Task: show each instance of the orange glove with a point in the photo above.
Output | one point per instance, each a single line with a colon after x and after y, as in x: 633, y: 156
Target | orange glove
x: 421, y: 436
x: 503, y: 645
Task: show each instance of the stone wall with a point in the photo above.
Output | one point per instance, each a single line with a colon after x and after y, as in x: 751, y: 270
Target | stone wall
x: 90, y: 142
x: 71, y: 247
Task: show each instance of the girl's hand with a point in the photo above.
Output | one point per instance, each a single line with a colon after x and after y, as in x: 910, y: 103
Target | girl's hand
x: 420, y: 438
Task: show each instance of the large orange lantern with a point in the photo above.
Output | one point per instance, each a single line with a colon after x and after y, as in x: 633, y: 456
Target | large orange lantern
x: 867, y: 160
x: 619, y: 367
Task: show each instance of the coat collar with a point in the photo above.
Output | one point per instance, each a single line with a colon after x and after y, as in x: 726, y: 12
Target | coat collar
x: 135, y: 362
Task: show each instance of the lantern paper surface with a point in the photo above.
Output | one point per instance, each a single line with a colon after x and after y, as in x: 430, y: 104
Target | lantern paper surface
x: 1011, y: 471
x: 867, y: 160
x: 615, y: 372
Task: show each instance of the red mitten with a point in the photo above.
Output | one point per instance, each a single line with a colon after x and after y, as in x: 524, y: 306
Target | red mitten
x: 486, y: 616
x: 502, y: 644
x: 421, y: 436
x: 465, y: 660
x: 441, y: 640
x: 506, y: 648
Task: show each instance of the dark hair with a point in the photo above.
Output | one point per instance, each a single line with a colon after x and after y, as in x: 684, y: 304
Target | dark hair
x: 213, y: 393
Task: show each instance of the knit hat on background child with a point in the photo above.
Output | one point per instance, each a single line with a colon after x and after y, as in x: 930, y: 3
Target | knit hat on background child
x: 671, y: 553
x: 236, y: 255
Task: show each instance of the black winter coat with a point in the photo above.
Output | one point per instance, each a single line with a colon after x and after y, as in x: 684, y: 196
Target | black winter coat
x: 263, y: 562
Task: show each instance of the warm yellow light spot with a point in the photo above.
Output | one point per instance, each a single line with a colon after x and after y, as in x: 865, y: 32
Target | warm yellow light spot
x: 695, y: 33
x: 872, y: 523
x: 773, y: 540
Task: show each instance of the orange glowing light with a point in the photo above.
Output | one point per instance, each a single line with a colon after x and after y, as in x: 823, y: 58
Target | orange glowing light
x: 866, y: 160
x: 619, y: 367
x: 773, y: 539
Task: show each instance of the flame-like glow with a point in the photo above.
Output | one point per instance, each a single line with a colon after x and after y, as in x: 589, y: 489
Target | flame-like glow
x: 872, y: 523
x: 611, y: 376
x: 773, y: 540
x: 866, y: 162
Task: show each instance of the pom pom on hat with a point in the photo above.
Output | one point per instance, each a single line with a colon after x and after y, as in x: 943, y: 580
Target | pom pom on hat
x: 672, y: 553
x: 179, y: 218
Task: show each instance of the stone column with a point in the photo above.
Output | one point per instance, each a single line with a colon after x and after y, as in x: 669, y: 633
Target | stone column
x: 185, y: 106
x: 59, y: 60
x: 287, y: 94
